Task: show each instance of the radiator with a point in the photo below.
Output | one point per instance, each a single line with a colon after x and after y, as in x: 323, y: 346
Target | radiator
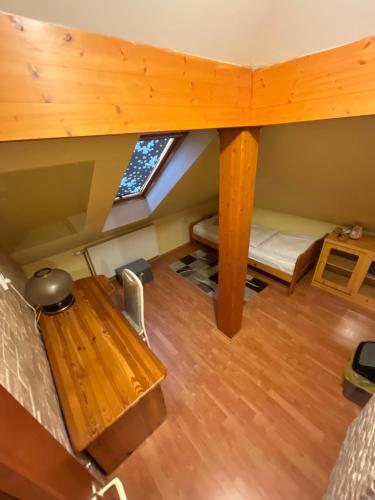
x: 105, y: 257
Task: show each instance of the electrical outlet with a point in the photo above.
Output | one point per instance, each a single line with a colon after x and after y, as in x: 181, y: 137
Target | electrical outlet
x: 4, y: 282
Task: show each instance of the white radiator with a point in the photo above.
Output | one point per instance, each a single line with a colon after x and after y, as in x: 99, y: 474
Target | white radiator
x: 105, y: 257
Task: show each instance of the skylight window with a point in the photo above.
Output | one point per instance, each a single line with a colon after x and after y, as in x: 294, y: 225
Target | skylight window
x: 149, y: 154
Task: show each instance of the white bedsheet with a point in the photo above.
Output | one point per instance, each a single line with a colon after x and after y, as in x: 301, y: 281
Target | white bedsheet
x: 259, y: 235
x: 277, y: 249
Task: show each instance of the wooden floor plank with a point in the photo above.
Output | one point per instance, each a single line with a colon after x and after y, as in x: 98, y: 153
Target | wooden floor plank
x: 259, y: 417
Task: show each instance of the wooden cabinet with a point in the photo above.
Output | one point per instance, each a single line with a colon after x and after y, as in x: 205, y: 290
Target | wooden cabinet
x: 107, y: 379
x: 347, y: 269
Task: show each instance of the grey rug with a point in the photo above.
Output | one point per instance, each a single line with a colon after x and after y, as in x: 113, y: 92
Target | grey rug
x: 201, y: 269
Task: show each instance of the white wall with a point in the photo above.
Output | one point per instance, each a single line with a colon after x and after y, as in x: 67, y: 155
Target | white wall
x: 247, y: 32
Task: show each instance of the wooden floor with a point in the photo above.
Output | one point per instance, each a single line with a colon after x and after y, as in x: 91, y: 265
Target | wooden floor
x: 261, y: 417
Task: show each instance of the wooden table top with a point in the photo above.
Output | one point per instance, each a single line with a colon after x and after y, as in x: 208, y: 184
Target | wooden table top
x: 100, y: 366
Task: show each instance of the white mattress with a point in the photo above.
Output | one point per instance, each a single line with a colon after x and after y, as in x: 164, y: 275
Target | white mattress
x: 277, y: 249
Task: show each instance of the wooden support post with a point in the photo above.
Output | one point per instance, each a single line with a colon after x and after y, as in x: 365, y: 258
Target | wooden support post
x: 238, y: 159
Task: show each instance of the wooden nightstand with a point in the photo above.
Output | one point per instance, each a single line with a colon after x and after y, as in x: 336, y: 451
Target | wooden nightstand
x: 347, y: 269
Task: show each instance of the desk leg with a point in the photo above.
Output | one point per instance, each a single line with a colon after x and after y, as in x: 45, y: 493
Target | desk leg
x: 120, y: 439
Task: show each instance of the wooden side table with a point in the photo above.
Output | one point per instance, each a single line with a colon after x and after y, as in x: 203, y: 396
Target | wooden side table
x: 347, y: 269
x: 107, y: 379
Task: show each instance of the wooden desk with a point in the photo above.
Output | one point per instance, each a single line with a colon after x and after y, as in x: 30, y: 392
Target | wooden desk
x: 106, y: 377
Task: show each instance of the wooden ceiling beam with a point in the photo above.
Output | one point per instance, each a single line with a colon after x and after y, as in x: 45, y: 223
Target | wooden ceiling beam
x: 335, y: 83
x: 62, y: 82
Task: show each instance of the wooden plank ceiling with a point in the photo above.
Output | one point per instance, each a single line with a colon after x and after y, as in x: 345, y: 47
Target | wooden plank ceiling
x: 61, y: 82
x: 331, y: 84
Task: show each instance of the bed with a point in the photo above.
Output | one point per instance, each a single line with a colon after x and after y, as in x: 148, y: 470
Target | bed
x: 287, y: 256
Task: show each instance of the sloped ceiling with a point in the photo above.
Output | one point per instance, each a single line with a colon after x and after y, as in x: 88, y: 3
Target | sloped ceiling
x: 200, y: 183
x: 34, y: 204
x: 56, y: 194
x: 190, y: 152
x: 323, y: 170
x: 246, y: 32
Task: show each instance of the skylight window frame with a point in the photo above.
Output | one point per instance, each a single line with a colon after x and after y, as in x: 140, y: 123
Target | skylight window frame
x: 169, y: 150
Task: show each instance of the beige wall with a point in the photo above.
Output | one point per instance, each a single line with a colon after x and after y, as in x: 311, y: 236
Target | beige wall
x: 323, y: 170
x: 34, y: 203
x: 291, y: 223
x: 311, y: 176
x: 171, y: 232
x: 36, y: 215
x: 44, y: 183
x: 200, y: 183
